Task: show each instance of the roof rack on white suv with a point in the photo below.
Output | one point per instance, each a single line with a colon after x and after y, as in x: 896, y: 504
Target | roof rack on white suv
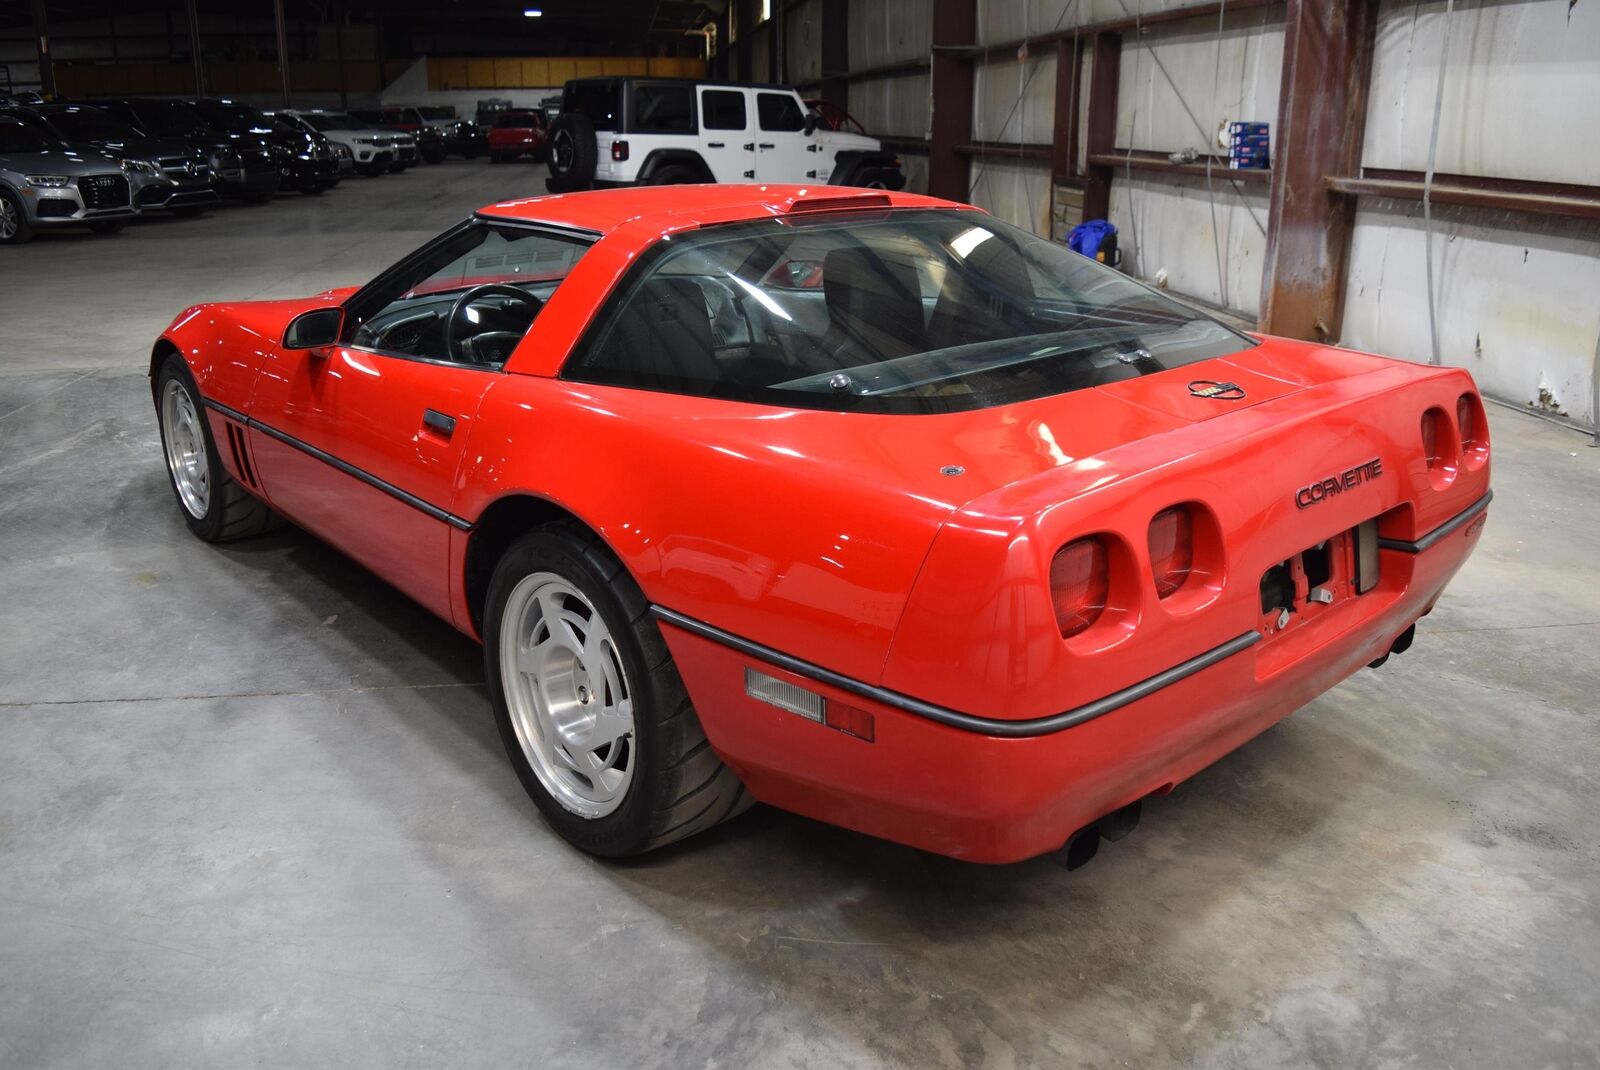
x: 660, y: 131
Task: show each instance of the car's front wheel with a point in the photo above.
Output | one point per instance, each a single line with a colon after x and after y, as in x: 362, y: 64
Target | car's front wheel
x: 591, y: 709
x: 214, y: 506
x: 14, y: 228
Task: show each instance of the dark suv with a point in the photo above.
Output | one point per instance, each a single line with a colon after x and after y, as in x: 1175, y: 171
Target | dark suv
x: 171, y: 175
x: 242, y: 163
x: 305, y: 159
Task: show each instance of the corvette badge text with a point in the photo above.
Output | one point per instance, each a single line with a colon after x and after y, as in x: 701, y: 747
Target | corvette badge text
x: 1323, y: 489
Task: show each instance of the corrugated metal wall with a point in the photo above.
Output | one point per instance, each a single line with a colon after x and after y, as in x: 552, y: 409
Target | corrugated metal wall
x: 1517, y: 296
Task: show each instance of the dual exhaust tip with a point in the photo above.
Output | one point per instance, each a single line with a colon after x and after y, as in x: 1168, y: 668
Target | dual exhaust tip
x: 1401, y: 644
x: 1084, y: 844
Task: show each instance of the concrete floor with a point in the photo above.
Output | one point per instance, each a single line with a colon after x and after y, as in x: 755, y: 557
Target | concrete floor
x: 253, y: 809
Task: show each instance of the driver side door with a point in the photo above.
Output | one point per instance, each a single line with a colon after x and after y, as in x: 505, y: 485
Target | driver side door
x: 360, y: 442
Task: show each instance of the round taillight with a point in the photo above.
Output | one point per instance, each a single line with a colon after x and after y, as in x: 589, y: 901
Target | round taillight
x: 1474, y: 430
x: 1171, y: 548
x: 1465, y: 421
x: 1080, y: 583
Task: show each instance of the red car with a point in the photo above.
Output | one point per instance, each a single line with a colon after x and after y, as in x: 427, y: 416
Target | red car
x: 515, y: 133
x: 863, y: 504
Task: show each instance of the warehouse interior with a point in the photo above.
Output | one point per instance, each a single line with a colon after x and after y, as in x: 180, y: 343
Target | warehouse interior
x: 255, y: 806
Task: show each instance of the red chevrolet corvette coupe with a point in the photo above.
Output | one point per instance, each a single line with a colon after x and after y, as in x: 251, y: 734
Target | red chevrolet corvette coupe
x: 863, y: 504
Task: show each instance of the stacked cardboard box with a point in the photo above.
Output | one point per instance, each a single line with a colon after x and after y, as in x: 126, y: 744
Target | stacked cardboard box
x: 1249, y: 146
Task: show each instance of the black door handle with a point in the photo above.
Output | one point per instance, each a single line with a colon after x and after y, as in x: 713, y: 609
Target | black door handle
x: 768, y: 145
x: 438, y: 422
x: 716, y: 145
x: 749, y: 174
x: 749, y: 146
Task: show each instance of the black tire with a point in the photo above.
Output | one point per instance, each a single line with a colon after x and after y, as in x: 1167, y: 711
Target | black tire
x: 231, y: 512
x: 679, y: 786
x: 21, y: 230
x: 108, y: 226
x: 676, y: 174
x: 573, y: 153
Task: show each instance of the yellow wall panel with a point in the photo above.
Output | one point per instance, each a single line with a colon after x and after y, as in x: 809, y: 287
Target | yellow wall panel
x: 589, y: 68
x: 480, y: 73
x: 561, y: 70
x: 507, y: 73
x: 536, y: 72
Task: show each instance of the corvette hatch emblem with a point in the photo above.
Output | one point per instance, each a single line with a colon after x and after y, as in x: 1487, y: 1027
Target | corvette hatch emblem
x: 1206, y: 388
x: 1323, y: 489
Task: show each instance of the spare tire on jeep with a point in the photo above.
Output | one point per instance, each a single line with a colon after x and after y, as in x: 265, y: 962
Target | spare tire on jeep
x: 573, y: 153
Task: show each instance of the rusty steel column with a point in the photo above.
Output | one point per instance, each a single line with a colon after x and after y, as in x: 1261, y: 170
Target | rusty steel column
x: 835, y: 33
x: 41, y: 39
x: 283, y: 50
x: 1322, y: 118
x: 194, y: 51
x: 1064, y: 136
x: 955, y: 27
x: 1102, y: 128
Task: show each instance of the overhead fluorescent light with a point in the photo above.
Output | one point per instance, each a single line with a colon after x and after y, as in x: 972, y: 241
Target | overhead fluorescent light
x: 532, y: 12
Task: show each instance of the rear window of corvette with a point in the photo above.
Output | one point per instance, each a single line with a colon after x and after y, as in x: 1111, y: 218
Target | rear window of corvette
x: 908, y: 311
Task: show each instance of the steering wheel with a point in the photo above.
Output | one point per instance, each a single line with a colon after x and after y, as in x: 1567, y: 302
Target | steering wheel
x: 462, y: 346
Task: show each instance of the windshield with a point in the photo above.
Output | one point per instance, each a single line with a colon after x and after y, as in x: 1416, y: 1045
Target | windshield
x: 438, y: 113
x: 515, y: 119
x: 235, y: 117
x: 170, y: 118
x: 893, y: 311
x: 335, y: 121
x: 86, y: 124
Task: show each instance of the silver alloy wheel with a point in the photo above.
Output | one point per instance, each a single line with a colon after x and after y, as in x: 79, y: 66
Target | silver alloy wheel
x: 185, y: 442
x: 8, y: 219
x: 568, y: 695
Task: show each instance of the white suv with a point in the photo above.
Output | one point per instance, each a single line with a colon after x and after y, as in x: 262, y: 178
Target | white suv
x: 658, y: 131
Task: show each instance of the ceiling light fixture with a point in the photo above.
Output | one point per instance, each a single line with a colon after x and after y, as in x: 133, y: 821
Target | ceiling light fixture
x: 532, y: 12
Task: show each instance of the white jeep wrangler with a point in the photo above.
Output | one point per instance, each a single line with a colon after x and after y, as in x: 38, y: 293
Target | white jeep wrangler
x: 659, y: 131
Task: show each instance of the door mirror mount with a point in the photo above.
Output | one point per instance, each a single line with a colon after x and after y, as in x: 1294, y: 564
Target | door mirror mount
x: 811, y: 124
x: 317, y: 329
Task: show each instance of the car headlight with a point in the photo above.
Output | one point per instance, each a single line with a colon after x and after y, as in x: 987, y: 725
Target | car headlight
x: 141, y: 167
x: 47, y: 181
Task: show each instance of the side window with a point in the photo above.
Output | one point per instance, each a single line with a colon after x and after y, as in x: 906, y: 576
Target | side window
x: 14, y: 137
x: 779, y: 111
x: 468, y: 299
x: 663, y: 109
x: 722, y: 109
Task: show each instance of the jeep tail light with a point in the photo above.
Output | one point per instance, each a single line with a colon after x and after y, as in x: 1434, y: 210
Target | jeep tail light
x: 1172, y: 548
x: 1080, y: 581
x: 619, y: 150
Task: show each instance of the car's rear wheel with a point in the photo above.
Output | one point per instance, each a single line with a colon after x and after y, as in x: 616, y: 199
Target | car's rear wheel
x: 214, y: 506
x: 593, y: 714
x: 675, y: 174
x: 14, y: 228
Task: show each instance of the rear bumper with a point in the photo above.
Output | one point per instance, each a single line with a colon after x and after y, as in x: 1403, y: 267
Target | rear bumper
x: 954, y: 787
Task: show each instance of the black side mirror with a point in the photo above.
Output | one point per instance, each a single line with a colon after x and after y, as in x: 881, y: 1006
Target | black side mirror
x: 811, y: 123
x: 315, y: 329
